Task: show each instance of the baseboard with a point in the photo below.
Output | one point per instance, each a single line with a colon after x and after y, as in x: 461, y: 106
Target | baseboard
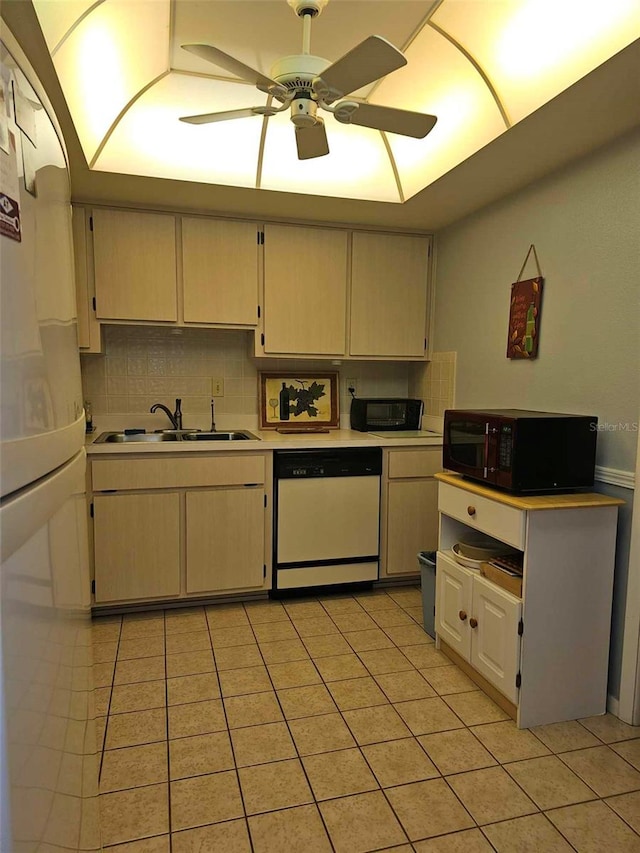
x: 613, y: 705
x: 615, y: 477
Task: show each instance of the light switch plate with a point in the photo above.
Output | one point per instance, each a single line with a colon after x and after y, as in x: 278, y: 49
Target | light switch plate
x: 217, y: 387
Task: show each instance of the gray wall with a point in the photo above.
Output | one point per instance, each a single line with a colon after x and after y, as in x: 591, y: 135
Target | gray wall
x: 585, y: 224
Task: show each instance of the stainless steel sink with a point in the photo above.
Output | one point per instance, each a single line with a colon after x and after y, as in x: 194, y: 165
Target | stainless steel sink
x: 120, y: 437
x: 174, y: 435
x: 178, y: 432
x: 233, y: 435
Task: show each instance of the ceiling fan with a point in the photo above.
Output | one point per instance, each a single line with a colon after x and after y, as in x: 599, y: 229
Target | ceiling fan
x: 305, y: 82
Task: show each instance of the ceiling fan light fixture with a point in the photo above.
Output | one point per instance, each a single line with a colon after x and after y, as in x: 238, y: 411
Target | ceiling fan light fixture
x: 303, y: 111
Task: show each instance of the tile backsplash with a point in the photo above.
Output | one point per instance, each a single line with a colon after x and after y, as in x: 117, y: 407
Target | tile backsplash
x: 143, y: 365
x: 434, y: 382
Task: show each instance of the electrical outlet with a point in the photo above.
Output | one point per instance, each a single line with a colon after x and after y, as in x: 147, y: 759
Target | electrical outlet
x: 217, y: 387
x: 352, y: 386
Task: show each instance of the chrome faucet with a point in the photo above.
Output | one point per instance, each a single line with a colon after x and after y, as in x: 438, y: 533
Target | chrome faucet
x: 175, y: 417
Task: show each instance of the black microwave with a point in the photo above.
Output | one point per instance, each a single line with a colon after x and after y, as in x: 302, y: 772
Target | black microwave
x: 521, y: 451
x: 379, y: 414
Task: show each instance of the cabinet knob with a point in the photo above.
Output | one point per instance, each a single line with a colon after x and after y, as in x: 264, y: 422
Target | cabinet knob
x: 473, y: 622
x: 462, y: 615
x: 471, y: 510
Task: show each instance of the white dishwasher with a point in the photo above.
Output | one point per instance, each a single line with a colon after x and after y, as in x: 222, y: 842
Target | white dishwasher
x: 327, y: 517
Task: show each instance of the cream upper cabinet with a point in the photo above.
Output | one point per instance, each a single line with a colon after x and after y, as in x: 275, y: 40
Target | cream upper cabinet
x: 82, y: 290
x: 305, y: 290
x: 135, y: 265
x: 389, y: 277
x: 88, y: 326
x: 220, y: 271
x: 325, y: 292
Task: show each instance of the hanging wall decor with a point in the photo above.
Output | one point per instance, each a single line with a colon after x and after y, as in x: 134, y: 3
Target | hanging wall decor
x: 524, y: 313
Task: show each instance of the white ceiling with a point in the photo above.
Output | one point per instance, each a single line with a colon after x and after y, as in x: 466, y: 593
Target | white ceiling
x: 258, y: 32
x: 578, y: 117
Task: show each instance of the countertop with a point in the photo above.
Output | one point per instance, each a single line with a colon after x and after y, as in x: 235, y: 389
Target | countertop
x: 565, y: 500
x: 269, y: 440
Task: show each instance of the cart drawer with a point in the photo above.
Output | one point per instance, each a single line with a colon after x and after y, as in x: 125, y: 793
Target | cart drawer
x: 502, y: 522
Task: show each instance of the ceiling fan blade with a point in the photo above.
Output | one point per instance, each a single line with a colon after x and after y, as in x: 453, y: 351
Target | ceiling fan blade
x: 312, y: 141
x: 368, y: 61
x: 208, y: 118
x: 404, y: 122
x: 231, y: 64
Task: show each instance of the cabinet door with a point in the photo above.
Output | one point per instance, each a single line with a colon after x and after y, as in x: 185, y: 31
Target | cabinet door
x: 89, y: 339
x: 412, y: 523
x: 82, y: 289
x: 389, y: 275
x: 305, y: 290
x: 135, y: 265
x: 495, y: 644
x: 220, y: 271
x: 453, y: 605
x: 225, y: 539
x: 137, y: 546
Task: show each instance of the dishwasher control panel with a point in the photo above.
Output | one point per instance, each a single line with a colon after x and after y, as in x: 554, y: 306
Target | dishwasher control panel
x: 345, y: 462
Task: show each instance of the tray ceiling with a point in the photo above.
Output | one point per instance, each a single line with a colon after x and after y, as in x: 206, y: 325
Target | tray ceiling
x: 480, y: 66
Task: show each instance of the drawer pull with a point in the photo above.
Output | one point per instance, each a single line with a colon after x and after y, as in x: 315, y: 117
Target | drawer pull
x: 471, y: 510
x: 462, y: 615
x: 473, y: 622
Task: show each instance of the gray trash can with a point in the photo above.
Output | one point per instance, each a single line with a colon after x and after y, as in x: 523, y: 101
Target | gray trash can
x: 427, y: 561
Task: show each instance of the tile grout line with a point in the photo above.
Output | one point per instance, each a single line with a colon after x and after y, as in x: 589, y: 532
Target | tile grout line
x: 445, y: 778
x: 325, y: 684
x: 358, y: 746
x: 166, y: 724
x: 414, y: 738
x: 108, y: 711
x: 539, y: 809
x: 286, y: 722
x: 226, y: 720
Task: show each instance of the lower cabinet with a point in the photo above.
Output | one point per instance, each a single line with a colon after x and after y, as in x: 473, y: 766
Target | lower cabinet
x: 136, y: 546
x: 174, y: 528
x: 412, y: 523
x: 225, y: 539
x: 409, y: 508
x: 480, y: 622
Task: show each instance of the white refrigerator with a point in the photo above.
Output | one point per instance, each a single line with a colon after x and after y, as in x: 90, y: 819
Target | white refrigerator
x: 48, y: 752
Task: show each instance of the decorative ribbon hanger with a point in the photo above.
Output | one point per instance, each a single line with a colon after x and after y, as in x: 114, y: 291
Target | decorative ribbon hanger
x: 532, y: 248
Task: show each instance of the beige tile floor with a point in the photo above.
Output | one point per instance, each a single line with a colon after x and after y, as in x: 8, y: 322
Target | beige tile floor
x: 335, y: 724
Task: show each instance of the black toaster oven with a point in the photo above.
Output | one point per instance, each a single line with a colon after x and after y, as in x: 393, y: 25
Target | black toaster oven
x: 375, y: 414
